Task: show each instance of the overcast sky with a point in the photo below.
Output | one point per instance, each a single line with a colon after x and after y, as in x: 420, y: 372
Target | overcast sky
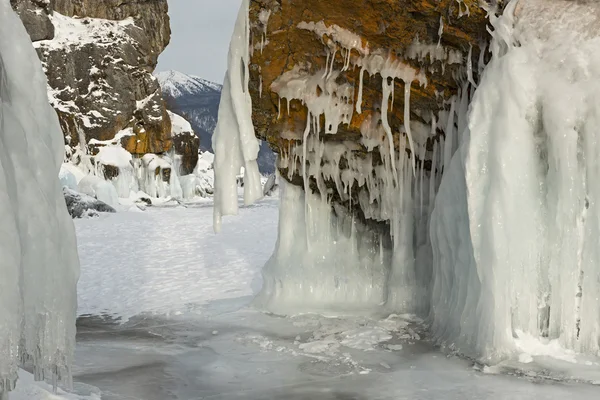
x: 200, y: 34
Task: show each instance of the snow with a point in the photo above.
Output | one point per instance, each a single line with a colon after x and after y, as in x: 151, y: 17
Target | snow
x: 39, y: 264
x: 82, y: 31
x: 234, y: 140
x: 28, y: 389
x: 180, y: 125
x: 170, y: 260
x: 114, y: 141
x: 345, y: 38
x: 115, y: 156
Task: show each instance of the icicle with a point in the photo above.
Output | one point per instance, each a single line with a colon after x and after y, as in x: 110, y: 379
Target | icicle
x: 449, y: 133
x: 421, y: 179
x: 39, y: 266
x: 234, y: 139
x: 392, y: 94
x: 440, y: 31
x: 279, y: 108
x: 470, y: 67
x: 327, y: 64
x: 432, y: 178
x: 332, y: 62
x: 407, y: 86
x: 386, y: 124
x: 360, y: 91
x: 481, y: 63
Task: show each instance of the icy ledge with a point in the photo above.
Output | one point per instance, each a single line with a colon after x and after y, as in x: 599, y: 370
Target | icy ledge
x: 39, y: 264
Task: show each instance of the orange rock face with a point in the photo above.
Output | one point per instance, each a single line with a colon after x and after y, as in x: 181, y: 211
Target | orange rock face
x: 433, y: 38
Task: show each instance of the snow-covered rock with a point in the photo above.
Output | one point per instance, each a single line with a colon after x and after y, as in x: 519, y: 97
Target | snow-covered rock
x: 185, y: 143
x: 98, y: 57
x: 80, y: 204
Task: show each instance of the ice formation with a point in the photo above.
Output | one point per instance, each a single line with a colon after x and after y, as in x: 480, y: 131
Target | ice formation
x: 39, y: 263
x: 234, y: 141
x: 499, y: 252
x: 516, y: 222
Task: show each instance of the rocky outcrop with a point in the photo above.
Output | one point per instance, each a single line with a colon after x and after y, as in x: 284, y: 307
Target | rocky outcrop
x: 185, y: 144
x: 99, y: 56
x: 323, y: 46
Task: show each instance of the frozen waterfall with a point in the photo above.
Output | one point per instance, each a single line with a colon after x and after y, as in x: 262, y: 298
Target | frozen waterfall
x: 38, y: 264
x: 505, y: 247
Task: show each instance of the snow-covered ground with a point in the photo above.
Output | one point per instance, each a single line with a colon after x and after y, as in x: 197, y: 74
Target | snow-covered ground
x: 168, y: 260
x: 188, y: 330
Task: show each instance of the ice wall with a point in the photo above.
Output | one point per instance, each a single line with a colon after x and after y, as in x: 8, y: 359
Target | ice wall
x: 516, y: 222
x: 39, y: 264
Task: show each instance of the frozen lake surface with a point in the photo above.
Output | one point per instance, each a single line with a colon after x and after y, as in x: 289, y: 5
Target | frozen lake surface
x: 166, y: 313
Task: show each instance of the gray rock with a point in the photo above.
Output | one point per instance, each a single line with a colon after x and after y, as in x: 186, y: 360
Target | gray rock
x: 80, y: 205
x: 34, y: 14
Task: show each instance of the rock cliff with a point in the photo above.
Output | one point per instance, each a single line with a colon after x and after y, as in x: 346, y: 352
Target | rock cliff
x: 356, y: 70
x: 99, y: 56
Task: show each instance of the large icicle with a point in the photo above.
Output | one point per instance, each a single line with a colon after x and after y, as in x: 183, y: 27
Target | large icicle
x: 234, y: 139
x: 39, y: 266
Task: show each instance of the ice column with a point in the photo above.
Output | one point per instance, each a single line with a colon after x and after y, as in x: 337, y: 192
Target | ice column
x: 38, y: 264
x: 234, y: 140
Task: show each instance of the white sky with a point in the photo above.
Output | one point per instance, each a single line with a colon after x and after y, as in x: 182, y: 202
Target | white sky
x: 200, y: 34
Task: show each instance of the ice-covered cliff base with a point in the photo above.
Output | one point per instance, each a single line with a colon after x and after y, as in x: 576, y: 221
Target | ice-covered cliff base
x: 506, y: 252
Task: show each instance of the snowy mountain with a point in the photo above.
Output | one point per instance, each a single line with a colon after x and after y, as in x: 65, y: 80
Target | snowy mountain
x: 177, y: 84
x: 198, y: 100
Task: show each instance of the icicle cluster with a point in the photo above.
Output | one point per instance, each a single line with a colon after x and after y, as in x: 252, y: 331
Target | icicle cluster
x: 332, y: 263
x: 39, y: 266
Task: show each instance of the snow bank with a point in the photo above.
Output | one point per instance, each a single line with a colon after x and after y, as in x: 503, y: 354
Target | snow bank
x: 39, y: 263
